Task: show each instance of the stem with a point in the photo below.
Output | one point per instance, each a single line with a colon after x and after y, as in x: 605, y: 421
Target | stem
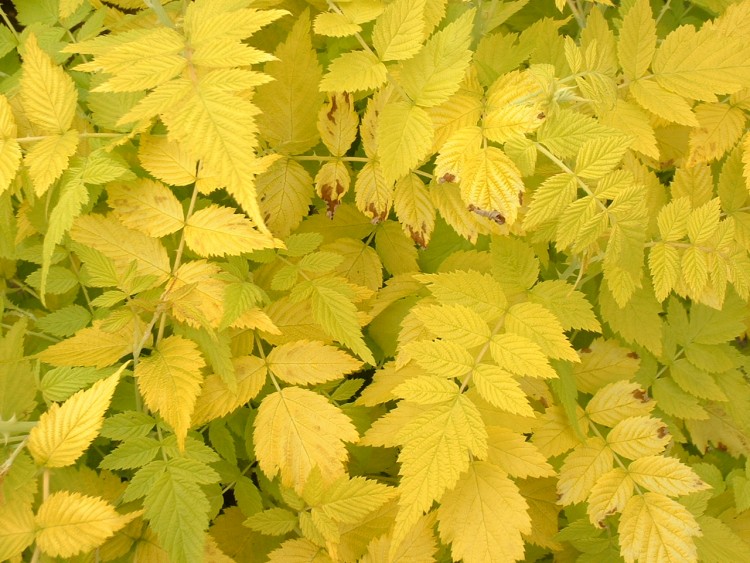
x: 37, y: 334
x: 160, y: 12
x: 480, y: 355
x: 7, y: 21
x: 5, y: 467
x: 45, y: 484
x: 573, y: 5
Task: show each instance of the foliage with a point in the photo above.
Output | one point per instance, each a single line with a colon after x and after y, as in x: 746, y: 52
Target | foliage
x: 369, y: 280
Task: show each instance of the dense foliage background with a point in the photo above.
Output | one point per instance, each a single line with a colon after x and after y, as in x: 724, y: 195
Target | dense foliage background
x: 378, y: 281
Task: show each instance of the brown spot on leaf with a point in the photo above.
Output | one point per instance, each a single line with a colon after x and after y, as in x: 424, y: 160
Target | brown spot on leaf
x: 585, y: 350
x: 662, y: 432
x: 495, y: 216
x: 377, y: 216
x: 520, y: 198
x: 447, y: 177
x: 544, y: 402
x: 641, y: 395
x: 721, y: 446
x: 418, y: 236
x: 330, y: 115
x: 634, y: 355
x: 541, y: 115
x: 332, y: 196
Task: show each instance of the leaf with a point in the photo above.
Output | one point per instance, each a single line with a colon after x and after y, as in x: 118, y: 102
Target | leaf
x: 299, y: 551
x: 354, y: 71
x: 169, y: 380
x: 373, y: 191
x: 442, y: 358
x: 132, y: 454
x: 338, y: 123
x: 434, y: 74
x: 638, y: 436
x: 520, y: 355
x: 513, y: 106
x: 349, y: 501
x: 48, y: 158
x: 618, y: 401
x: 511, y: 452
x: 581, y: 469
x: 567, y: 133
x: 395, y: 249
x: 219, y: 231
x: 718, y: 542
x: 167, y: 160
x: 637, y: 41
x: 17, y: 529
x: 404, y: 138
x: 178, y: 509
x: 570, y: 306
x: 609, y: 495
x: 310, y: 362
x: 664, y: 263
x: 454, y: 323
x: 65, y: 321
x: 469, y: 521
x: 58, y: 384
x: 663, y: 103
x: 536, y: 323
x: 291, y: 102
x: 399, y: 30
x: 655, y: 525
x: 499, y: 388
x: 599, y: 156
x: 491, y: 182
x: 272, y: 522
x: 65, y: 431
x: 72, y: 523
x: 216, y: 399
x: 426, y: 390
x: 721, y: 126
x: 285, y: 192
x: 416, y: 213
x: 550, y: 199
x: 147, y: 206
x: 665, y: 475
x: 436, y: 451
x: 296, y: 430
x: 10, y: 151
x: 48, y: 94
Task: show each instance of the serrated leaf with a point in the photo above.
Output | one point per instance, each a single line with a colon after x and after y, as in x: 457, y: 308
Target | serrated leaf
x: 352, y: 72
x: 491, y: 182
x: 65, y: 321
x: 404, y: 138
x: 550, y: 199
x: 338, y: 123
x: 581, y: 469
x: 272, y: 522
x: 348, y: 501
x: 48, y: 158
x: 299, y: 551
x: 147, y: 206
x: 664, y: 264
x: 638, y: 436
x: 169, y: 380
x: 72, y: 523
x: 128, y: 424
x: 599, y: 156
x: 570, y: 306
x: 399, y: 30
x: 167, y: 160
x: 511, y: 452
x: 297, y: 429
x: 665, y: 475
x: 637, y: 41
x: 65, y: 431
x: 609, y: 495
x: 520, y: 355
x: 455, y: 323
x: 48, y: 94
x: 653, y: 526
x: 219, y: 231
x: 10, y: 151
x: 131, y: 454
x: 58, y: 384
x: 499, y: 388
x: 17, y: 529
x: 442, y: 358
x: 310, y: 362
x: 618, y: 401
x: 285, y: 192
x: 426, y: 390
x: 536, y: 323
x: 663, y: 103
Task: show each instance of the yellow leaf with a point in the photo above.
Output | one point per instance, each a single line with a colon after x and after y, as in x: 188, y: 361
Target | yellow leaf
x: 665, y: 475
x: 469, y: 519
x: 146, y: 206
x: 404, y: 138
x: 721, y: 126
x: 416, y: 213
x: 609, y: 495
x: 617, y: 401
x: 418, y: 545
x: 72, y: 523
x: 219, y: 231
x: 426, y: 390
x: 285, y: 192
x: 555, y: 435
x: 217, y: 399
x: 206, y: 21
x: 10, y: 151
x: 637, y: 42
x: 536, y: 323
x: 360, y: 265
x: 657, y: 529
x: 373, y: 191
x: 17, y: 529
x: 459, y: 149
x: 581, y: 469
x: 349, y: 501
x: 331, y: 183
x: 633, y: 121
x: 511, y: 452
x: 299, y: 551
x: 663, y: 103
x: 48, y: 158
x: 442, y: 358
x: 521, y: 356
x: 600, y: 156
x: 513, y: 106
x: 499, y: 388
x: 664, y: 264
x: 68, y: 7
x: 170, y: 380
x: 91, y: 346
x: 338, y: 123
x: 291, y: 102
x: 479, y: 291
x: 434, y: 74
x: 436, y: 451
x: 297, y: 429
x: 196, y: 294
x: 136, y: 60
x: 310, y: 362
x: 456, y: 323
x: 65, y: 431
x: 491, y: 182
x: 122, y: 246
x: 638, y: 436
x: 462, y: 109
x: 399, y: 30
x: 354, y: 71
x: 48, y: 94
x: 166, y: 160
x: 333, y: 24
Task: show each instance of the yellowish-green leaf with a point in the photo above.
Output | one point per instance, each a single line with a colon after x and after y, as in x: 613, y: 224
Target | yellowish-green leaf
x: 492, y: 182
x: 272, y: 522
x: 511, y: 452
x: 627, y: 117
x: 666, y: 476
x: 663, y: 103
x: 599, y: 156
x: 332, y: 182
x: 664, y: 263
x: 333, y: 24
x: 72, y: 523
x: 10, y: 151
x: 146, y: 206
x: 399, y: 30
x: 442, y: 358
x: 374, y: 191
x: 285, y: 192
x: 456, y: 323
x: 499, y: 388
x: 219, y: 231
x: 296, y: 430
x: 609, y: 495
x: 65, y: 431
x: 17, y: 529
x: 404, y: 138
x: 520, y: 355
x: 513, y: 106
x: 48, y: 158
x: 414, y: 208
x: 569, y: 305
x: 349, y: 501
x: 478, y: 291
x: 310, y: 362
x: 638, y: 436
x: 217, y: 399
x: 568, y: 131
x: 352, y: 72
x: 338, y: 123
x: 166, y: 160
x: 468, y: 518
x: 299, y: 551
x: 90, y: 346
x: 170, y: 381
x: 426, y: 390
x: 435, y: 73
x: 721, y: 126
x: 637, y: 42
x: 48, y: 94
x: 654, y: 527
x: 581, y: 469
x: 539, y: 325
x: 618, y: 401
